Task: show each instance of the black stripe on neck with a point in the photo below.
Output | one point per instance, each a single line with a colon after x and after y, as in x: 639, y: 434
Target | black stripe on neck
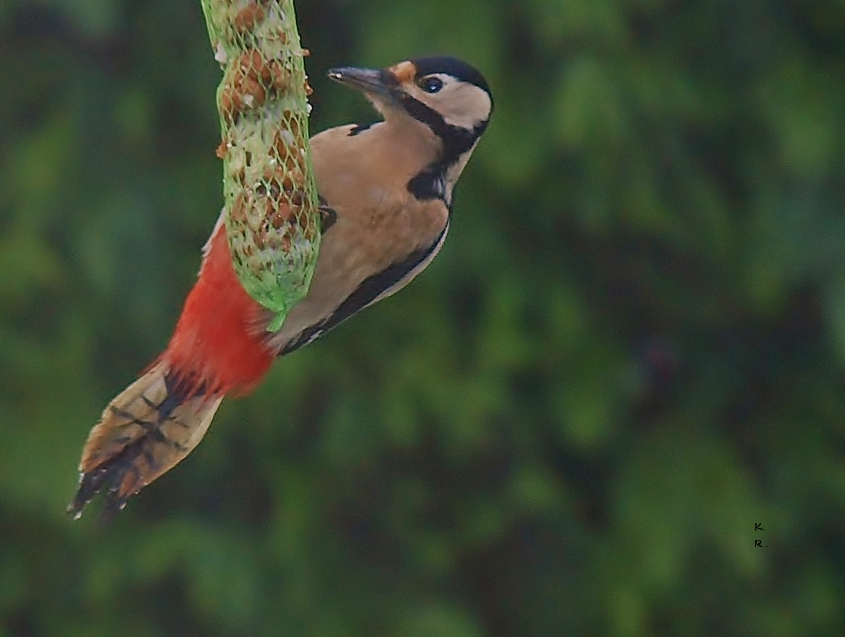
x: 430, y: 183
x: 456, y: 140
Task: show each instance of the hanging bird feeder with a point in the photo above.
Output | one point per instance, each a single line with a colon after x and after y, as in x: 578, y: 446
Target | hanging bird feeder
x: 271, y: 203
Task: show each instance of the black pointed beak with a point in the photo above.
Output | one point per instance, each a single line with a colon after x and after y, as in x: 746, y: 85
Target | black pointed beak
x: 371, y: 81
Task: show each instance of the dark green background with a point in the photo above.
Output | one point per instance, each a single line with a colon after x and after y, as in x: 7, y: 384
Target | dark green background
x: 629, y: 352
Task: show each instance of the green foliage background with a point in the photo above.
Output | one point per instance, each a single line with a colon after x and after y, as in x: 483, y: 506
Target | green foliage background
x: 630, y: 351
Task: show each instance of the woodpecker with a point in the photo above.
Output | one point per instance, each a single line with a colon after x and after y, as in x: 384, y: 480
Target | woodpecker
x: 388, y: 188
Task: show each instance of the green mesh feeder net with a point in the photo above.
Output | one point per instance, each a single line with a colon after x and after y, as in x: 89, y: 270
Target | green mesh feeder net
x: 272, y: 208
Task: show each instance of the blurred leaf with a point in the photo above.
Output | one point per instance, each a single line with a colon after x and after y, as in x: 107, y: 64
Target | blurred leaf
x: 92, y: 17
x: 435, y: 619
x: 588, y: 107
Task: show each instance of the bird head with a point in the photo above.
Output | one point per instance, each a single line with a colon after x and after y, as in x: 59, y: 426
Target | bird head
x: 449, y: 97
x: 426, y: 88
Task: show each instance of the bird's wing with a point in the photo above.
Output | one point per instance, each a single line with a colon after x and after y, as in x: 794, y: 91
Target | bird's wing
x: 371, y: 290
x: 363, y: 260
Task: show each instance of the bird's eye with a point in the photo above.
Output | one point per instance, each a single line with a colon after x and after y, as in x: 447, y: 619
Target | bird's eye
x: 431, y: 84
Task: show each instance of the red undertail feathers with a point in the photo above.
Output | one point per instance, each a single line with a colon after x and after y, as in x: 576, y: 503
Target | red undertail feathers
x: 217, y: 348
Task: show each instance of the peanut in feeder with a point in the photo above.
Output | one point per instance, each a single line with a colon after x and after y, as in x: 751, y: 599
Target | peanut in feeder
x: 271, y: 201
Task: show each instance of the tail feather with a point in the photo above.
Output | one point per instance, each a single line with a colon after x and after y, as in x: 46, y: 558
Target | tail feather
x: 145, y: 431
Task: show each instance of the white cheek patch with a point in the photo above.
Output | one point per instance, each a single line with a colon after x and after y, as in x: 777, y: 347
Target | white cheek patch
x: 464, y: 105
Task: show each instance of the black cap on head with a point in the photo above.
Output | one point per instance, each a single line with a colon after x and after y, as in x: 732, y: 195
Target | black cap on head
x: 451, y: 66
